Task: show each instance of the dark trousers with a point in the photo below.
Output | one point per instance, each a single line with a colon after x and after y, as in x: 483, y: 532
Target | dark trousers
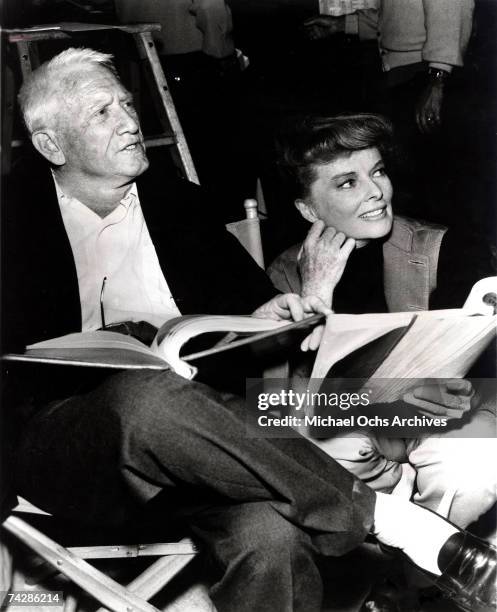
x: 264, y: 507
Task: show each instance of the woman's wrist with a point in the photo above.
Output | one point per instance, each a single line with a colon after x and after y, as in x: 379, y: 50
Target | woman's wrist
x: 317, y: 290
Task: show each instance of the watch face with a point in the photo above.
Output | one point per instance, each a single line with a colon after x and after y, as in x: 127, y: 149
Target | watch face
x: 438, y: 74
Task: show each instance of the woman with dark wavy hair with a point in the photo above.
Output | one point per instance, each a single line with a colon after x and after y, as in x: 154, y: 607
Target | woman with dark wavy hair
x: 338, y: 167
x: 360, y: 257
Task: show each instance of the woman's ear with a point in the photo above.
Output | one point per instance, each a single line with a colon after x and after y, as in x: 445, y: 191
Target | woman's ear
x: 306, y: 210
x: 46, y: 143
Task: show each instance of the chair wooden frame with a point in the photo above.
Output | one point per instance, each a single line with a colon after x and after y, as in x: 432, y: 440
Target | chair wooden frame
x: 71, y: 562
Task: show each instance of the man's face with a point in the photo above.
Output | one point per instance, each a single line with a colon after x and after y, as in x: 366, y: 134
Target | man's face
x: 353, y: 194
x: 99, y: 128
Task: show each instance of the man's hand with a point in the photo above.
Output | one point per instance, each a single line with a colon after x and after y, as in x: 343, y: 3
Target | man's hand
x: 429, y: 108
x: 322, y: 261
x: 451, y: 398
x: 323, y: 26
x: 290, y: 306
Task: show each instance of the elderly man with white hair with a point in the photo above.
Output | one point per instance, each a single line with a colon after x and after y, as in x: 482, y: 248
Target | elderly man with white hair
x: 107, y: 447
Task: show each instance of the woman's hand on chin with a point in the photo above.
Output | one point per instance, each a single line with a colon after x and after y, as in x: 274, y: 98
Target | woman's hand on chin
x: 322, y: 260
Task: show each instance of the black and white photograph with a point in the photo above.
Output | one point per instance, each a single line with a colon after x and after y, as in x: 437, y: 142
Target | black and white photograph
x: 248, y: 280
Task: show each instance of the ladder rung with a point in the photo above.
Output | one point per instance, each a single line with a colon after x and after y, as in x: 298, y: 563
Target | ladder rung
x: 63, y: 29
x: 151, y: 141
x: 159, y: 141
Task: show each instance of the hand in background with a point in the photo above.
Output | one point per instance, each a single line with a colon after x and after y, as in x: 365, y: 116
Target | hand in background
x: 322, y: 260
x: 429, y: 108
x: 452, y: 398
x: 323, y: 26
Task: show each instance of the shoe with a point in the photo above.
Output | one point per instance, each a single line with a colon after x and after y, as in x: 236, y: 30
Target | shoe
x: 470, y: 577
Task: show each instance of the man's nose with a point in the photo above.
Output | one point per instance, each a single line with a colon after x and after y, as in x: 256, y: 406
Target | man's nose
x: 127, y: 121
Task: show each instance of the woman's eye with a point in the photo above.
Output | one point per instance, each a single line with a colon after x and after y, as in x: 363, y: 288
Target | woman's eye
x: 346, y: 185
x: 380, y: 172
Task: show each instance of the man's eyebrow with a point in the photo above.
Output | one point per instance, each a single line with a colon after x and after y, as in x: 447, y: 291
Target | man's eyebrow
x: 98, y: 100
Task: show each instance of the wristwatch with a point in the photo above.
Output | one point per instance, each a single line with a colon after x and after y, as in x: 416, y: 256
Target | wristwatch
x: 437, y: 75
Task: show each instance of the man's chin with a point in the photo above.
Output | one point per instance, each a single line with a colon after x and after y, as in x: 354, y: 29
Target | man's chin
x: 138, y: 167
x: 129, y: 173
x: 145, y: 164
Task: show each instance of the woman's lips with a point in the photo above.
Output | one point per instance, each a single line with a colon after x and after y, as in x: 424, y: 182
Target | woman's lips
x: 377, y: 213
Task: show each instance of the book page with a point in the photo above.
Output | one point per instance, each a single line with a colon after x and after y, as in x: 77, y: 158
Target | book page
x: 93, y: 349
x: 346, y: 333
x: 438, y: 344
x: 92, y: 339
x: 92, y: 357
x: 435, y: 348
x: 176, y: 332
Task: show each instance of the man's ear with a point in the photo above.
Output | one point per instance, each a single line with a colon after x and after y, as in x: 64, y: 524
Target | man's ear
x: 306, y: 210
x: 47, y: 143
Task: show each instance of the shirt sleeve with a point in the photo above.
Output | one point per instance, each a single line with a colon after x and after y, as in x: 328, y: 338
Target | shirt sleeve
x: 214, y: 20
x: 368, y: 24
x: 448, y: 29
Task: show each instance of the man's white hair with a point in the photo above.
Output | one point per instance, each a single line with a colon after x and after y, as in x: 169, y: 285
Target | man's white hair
x: 40, y: 93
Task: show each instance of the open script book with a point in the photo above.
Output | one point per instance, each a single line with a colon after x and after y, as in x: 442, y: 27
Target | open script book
x: 115, y: 350
x: 405, y: 345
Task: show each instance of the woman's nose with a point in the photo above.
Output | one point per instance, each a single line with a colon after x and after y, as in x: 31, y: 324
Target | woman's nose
x: 374, y: 190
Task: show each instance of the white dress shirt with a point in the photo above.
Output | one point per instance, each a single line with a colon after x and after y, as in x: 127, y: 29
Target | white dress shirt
x: 117, y: 248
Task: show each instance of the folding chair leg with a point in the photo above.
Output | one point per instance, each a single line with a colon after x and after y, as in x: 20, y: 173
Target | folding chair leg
x: 111, y: 594
x: 157, y: 575
x: 6, y: 570
x: 150, y: 582
x: 70, y: 603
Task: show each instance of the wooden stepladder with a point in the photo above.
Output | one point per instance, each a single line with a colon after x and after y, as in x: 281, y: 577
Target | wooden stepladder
x: 172, y: 134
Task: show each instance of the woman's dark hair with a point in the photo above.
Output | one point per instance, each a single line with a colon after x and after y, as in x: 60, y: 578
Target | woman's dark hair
x: 321, y: 140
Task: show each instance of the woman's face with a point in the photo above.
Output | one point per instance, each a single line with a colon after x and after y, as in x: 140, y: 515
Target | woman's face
x: 353, y: 194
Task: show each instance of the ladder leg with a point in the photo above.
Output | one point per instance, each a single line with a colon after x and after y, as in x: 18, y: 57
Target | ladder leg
x: 24, y: 58
x: 8, y: 106
x: 147, y: 50
x: 28, y: 57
